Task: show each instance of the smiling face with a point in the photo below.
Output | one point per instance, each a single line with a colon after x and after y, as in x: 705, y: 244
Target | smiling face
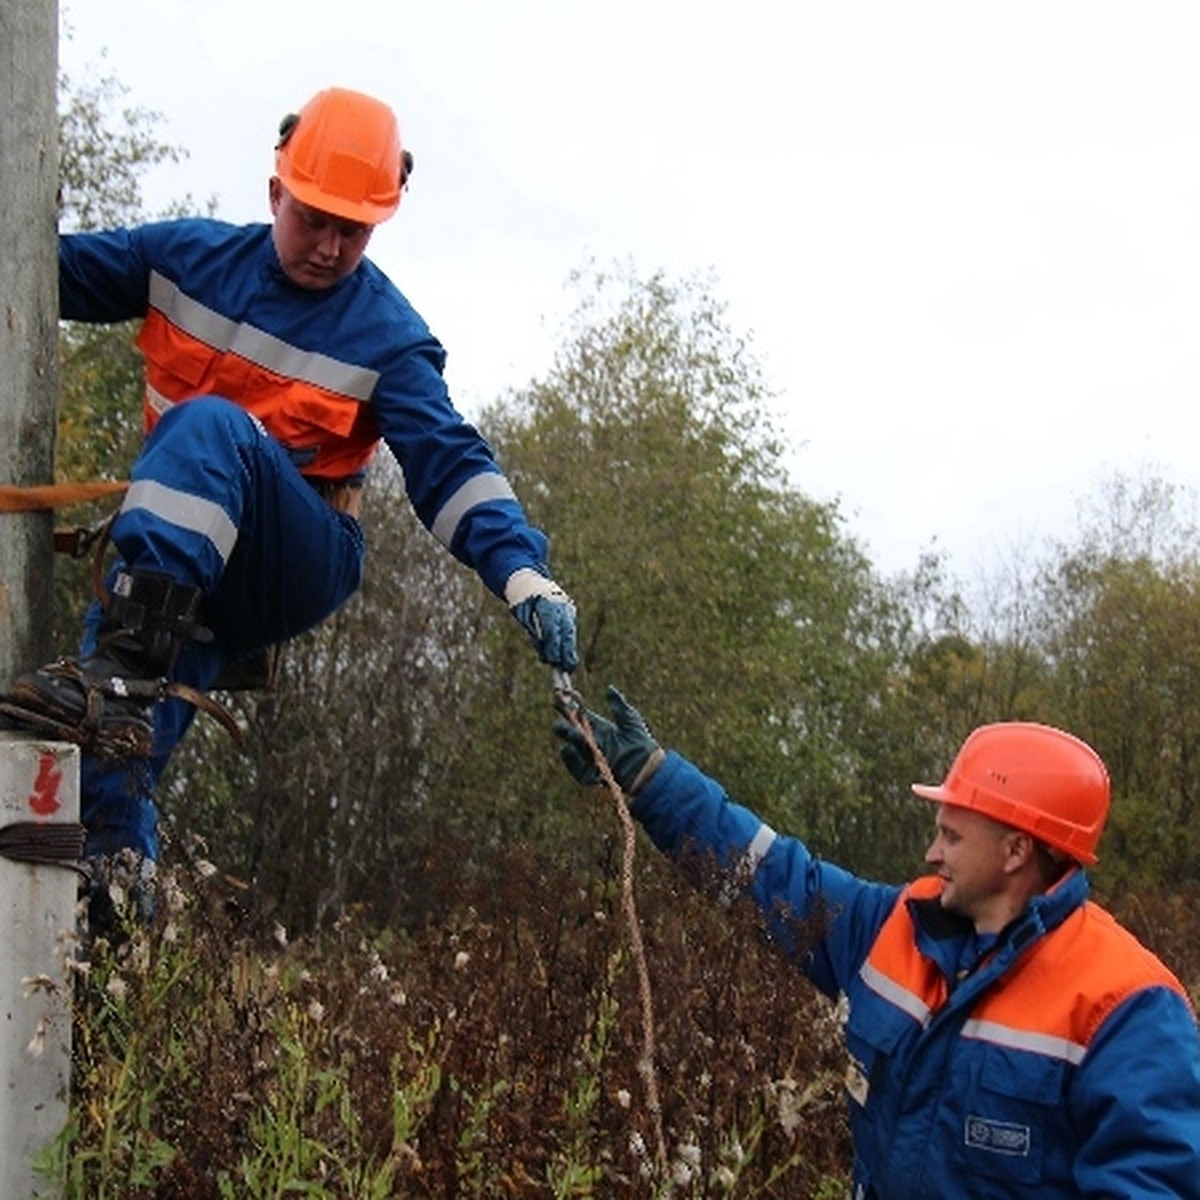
x: 315, y: 248
x: 982, y: 865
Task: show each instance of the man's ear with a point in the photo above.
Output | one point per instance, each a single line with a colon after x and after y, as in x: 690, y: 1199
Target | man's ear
x: 274, y: 194
x: 1019, y: 849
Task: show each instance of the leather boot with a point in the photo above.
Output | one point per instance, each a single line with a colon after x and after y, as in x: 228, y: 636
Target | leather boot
x: 105, y: 702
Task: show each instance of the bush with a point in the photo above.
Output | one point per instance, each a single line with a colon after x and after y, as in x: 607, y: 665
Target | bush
x: 495, y: 1050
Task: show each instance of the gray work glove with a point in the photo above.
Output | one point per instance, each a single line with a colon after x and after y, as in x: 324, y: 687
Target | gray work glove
x: 626, y: 743
x: 547, y: 614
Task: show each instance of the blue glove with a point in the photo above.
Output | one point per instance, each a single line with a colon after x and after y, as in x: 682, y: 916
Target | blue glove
x: 547, y: 614
x: 626, y: 743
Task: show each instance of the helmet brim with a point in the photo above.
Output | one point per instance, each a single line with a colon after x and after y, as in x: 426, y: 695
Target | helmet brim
x: 363, y: 212
x: 936, y: 793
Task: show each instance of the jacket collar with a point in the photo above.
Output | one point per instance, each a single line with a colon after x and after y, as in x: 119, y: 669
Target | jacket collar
x: 940, y: 934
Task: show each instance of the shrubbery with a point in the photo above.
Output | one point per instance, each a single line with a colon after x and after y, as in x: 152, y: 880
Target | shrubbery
x: 493, y: 1050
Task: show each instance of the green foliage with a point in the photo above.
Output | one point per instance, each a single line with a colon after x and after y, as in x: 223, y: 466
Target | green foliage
x: 1121, y: 629
x: 732, y: 610
x: 103, y: 154
x: 100, y: 428
x: 130, y: 1050
x: 307, y: 1136
x: 574, y: 1169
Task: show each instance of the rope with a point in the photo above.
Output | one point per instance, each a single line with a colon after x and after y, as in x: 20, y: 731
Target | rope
x: 567, y: 702
x: 43, y: 843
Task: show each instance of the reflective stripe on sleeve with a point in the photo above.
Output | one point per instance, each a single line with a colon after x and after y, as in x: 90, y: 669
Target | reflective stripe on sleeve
x: 760, y: 843
x: 483, y: 487
x: 263, y: 349
x: 1022, y: 1039
x: 185, y: 511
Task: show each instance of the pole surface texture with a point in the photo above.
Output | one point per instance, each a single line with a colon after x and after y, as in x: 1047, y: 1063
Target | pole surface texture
x: 39, y: 785
x: 28, y: 320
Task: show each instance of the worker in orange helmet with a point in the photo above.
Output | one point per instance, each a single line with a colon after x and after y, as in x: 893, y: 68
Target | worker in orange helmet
x: 1005, y: 1035
x: 277, y: 358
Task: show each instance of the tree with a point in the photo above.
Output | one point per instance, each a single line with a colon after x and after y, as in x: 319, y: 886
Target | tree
x: 730, y: 607
x: 1121, y: 622
x: 103, y: 154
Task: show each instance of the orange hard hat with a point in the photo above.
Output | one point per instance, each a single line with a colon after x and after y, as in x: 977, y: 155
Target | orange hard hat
x: 341, y: 154
x: 1033, y: 777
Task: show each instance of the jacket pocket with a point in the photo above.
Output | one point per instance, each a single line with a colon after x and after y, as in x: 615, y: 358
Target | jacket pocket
x: 1009, y: 1113
x: 874, y: 1032
x: 305, y: 405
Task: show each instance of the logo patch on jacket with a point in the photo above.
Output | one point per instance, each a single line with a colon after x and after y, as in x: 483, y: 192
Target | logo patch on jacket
x: 997, y: 1137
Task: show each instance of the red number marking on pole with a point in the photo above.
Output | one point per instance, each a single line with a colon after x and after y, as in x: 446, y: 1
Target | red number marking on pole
x: 44, y: 798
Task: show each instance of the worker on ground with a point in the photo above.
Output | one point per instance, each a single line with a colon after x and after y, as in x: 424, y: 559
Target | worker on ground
x: 277, y: 357
x: 1005, y: 1035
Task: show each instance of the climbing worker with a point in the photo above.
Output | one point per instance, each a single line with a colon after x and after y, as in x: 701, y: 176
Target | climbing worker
x: 277, y: 357
x: 1006, y: 1036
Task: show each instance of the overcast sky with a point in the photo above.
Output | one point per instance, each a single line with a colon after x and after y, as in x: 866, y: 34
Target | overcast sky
x: 963, y: 237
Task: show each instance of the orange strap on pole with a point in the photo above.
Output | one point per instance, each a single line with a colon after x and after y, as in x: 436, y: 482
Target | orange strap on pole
x: 55, y: 495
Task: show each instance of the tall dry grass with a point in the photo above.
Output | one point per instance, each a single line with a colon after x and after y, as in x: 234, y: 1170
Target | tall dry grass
x: 493, y: 1049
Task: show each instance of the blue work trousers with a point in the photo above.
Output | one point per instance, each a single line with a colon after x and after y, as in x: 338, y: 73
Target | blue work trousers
x: 274, y: 561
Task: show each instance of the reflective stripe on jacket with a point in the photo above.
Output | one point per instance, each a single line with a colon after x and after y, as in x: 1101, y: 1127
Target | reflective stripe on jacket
x: 316, y: 405
x: 328, y: 372
x: 1065, y: 1063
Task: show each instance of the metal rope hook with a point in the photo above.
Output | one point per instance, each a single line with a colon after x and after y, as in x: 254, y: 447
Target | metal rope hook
x: 570, y: 704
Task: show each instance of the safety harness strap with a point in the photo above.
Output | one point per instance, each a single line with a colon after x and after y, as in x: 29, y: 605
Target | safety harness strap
x: 255, y: 674
x: 43, y: 843
x: 41, y: 497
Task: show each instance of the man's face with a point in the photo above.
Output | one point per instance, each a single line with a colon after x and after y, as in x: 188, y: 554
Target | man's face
x: 969, y: 852
x: 315, y: 248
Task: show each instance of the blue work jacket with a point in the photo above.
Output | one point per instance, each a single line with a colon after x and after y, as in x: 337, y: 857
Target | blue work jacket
x: 329, y: 372
x: 1064, y: 1063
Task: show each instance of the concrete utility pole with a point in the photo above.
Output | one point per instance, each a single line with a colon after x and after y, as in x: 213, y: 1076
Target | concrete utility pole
x: 28, y: 330
x: 39, y: 781
x: 39, y: 835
